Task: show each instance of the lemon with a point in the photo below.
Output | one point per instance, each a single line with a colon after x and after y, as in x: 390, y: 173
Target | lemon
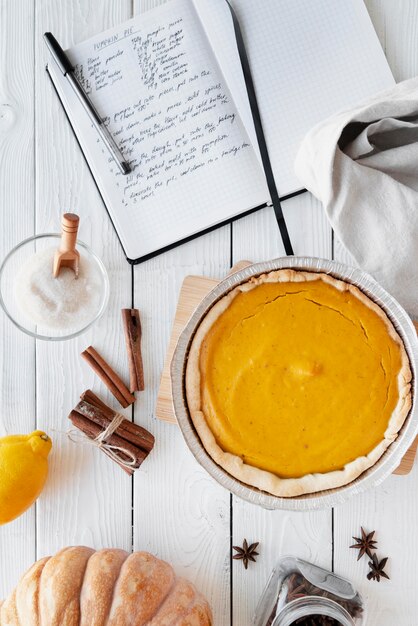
x: 23, y: 472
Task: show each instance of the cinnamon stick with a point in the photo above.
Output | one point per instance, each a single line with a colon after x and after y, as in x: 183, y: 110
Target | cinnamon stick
x: 112, y: 381
x: 133, y: 335
x: 92, y: 416
x: 114, y: 440
x: 91, y: 398
x: 92, y: 431
x: 127, y: 429
x: 92, y: 407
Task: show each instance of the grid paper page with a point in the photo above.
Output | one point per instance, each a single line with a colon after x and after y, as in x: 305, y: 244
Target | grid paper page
x: 216, y: 19
x: 309, y: 59
x: 156, y: 82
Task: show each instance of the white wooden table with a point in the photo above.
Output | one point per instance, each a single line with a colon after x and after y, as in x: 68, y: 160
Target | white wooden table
x: 171, y: 507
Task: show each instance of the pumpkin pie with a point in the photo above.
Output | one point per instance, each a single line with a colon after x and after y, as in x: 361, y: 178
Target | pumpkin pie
x: 297, y: 382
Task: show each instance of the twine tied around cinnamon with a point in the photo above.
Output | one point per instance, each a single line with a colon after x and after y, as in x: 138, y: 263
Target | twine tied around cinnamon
x: 123, y: 441
x: 109, y: 449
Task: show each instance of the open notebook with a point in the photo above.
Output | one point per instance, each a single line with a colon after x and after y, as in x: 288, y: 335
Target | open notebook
x: 170, y: 85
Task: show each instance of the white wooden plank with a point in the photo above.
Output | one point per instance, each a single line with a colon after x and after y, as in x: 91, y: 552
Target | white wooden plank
x: 308, y: 535
x: 88, y: 499
x: 180, y: 513
x: 341, y: 253
x: 280, y: 533
x: 396, y: 24
x: 17, y: 354
x: 191, y: 528
x: 145, y: 5
x: 392, y: 508
x: 258, y: 234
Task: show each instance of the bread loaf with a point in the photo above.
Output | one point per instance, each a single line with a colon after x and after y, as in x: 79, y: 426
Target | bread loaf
x: 81, y: 587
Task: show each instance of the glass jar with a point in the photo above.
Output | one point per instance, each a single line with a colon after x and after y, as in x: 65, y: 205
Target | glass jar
x: 21, y: 255
x: 300, y: 593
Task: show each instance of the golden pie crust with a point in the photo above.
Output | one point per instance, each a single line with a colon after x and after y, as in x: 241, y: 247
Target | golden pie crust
x: 297, y: 382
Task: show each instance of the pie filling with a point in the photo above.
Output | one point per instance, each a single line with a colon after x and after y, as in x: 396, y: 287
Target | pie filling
x: 299, y: 377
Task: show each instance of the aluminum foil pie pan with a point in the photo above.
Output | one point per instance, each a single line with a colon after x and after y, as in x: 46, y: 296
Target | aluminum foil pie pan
x: 322, y: 499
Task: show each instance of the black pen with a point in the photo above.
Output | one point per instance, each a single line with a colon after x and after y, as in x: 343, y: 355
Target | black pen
x: 67, y: 69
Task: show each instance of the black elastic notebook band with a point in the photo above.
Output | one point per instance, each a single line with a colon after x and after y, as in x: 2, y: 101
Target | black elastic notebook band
x: 265, y: 158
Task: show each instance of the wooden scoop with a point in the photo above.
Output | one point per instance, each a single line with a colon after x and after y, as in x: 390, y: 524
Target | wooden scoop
x: 67, y: 255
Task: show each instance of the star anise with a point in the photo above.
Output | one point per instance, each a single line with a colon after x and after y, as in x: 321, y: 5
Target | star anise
x: 376, y: 568
x: 365, y: 544
x: 246, y: 553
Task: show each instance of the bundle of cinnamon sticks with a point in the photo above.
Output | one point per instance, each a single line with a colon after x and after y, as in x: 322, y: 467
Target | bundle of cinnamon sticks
x: 130, y: 444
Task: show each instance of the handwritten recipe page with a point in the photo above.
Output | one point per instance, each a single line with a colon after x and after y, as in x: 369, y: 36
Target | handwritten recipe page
x: 156, y: 82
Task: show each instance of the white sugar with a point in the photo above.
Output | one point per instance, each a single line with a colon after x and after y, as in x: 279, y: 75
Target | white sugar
x: 60, y: 303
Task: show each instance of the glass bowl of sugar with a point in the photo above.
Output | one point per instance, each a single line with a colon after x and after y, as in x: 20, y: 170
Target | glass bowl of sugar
x: 53, y: 309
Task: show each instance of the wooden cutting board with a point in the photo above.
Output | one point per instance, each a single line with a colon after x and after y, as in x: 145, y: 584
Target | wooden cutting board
x: 192, y: 292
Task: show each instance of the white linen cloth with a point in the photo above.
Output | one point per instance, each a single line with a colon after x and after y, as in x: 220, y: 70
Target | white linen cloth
x: 363, y: 166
